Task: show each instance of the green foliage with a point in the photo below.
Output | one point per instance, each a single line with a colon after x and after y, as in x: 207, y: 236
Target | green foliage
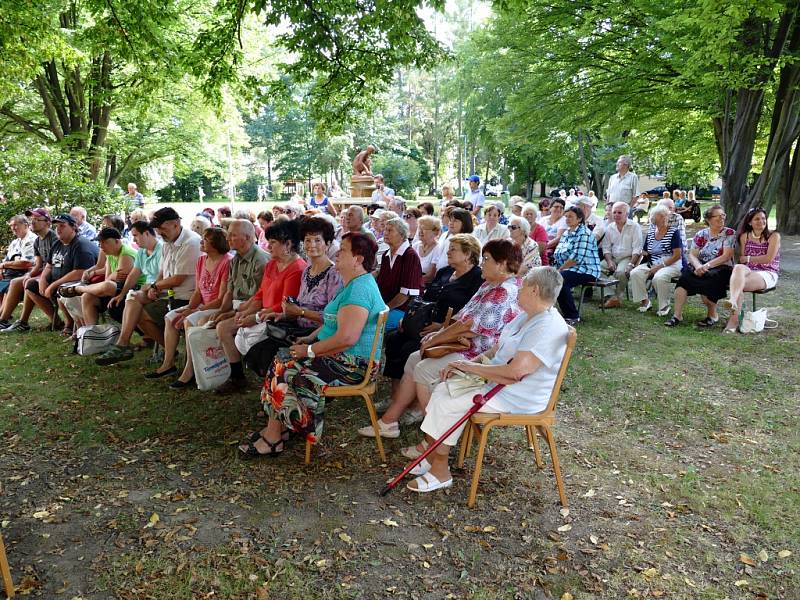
x: 186, y: 189
x: 400, y: 173
x: 247, y: 190
x: 37, y: 176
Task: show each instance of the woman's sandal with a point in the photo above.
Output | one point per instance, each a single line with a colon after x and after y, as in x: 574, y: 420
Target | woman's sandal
x: 254, y: 436
x: 429, y: 483
x: 252, y: 452
x: 707, y: 322
x: 673, y: 321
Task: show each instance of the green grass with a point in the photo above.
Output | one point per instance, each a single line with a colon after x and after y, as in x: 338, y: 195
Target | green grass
x: 695, y: 431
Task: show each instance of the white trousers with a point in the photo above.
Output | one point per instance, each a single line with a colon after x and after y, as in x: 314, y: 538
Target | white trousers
x: 74, y: 307
x: 426, y: 371
x: 619, y: 274
x: 661, y: 283
x: 193, y: 319
x: 444, y: 410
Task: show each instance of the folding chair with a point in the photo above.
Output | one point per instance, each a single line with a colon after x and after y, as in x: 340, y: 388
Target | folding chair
x: 541, y: 423
x: 366, y: 388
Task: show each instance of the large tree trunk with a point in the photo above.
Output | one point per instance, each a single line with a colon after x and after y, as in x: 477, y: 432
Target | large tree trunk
x: 789, y: 199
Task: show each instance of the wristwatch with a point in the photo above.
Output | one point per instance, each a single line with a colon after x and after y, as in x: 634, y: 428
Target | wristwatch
x: 310, y: 351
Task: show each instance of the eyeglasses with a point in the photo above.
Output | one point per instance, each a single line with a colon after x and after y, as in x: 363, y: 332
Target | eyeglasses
x: 408, y: 216
x: 723, y: 215
x: 513, y: 227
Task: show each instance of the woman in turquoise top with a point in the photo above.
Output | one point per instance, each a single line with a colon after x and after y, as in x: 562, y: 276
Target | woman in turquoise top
x: 336, y: 354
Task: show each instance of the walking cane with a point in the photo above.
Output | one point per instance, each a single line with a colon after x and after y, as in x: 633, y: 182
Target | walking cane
x: 477, y: 402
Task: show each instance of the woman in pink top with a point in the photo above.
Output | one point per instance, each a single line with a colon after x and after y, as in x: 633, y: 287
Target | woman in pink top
x: 211, y: 280
x: 759, y: 262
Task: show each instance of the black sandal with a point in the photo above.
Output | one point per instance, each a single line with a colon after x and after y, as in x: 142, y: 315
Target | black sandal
x: 252, y: 452
x: 707, y: 322
x: 254, y: 436
x: 673, y: 321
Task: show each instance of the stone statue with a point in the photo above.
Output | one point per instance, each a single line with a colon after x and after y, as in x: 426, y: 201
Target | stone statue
x: 362, y: 165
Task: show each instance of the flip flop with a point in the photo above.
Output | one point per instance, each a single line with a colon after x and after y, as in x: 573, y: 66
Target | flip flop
x: 429, y: 483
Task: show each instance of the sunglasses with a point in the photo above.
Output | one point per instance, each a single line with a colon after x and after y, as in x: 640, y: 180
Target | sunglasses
x: 513, y: 227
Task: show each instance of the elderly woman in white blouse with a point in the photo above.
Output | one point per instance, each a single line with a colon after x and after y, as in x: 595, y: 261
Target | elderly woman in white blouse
x: 491, y: 228
x: 520, y: 230
x: 428, y: 247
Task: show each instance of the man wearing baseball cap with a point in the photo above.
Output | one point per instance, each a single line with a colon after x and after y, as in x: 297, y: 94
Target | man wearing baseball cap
x: 42, y: 246
x: 475, y: 195
x: 172, y: 288
x: 18, y: 259
x: 71, y: 256
x: 594, y: 224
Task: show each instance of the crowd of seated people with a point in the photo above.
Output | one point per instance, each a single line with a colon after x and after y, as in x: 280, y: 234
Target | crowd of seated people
x: 302, y: 317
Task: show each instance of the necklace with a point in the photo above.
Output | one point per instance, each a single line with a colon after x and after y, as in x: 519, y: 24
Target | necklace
x: 313, y: 280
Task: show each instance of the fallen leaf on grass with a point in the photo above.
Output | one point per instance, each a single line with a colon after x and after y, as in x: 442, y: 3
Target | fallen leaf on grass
x: 650, y: 573
x: 345, y: 538
x: 564, y: 528
x: 741, y: 583
x: 781, y: 554
x: 594, y: 539
x: 151, y: 522
x: 589, y: 494
x: 564, y: 512
x: 746, y: 559
x: 566, y: 596
x: 390, y: 523
x: 763, y: 556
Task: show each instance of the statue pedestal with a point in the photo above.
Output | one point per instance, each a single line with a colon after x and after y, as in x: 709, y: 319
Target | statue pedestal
x: 362, y: 186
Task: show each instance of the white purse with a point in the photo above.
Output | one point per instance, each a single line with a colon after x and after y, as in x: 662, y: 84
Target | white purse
x: 756, y: 321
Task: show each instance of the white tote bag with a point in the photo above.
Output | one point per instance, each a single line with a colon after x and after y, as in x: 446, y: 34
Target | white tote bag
x: 93, y: 339
x: 211, y: 366
x: 756, y: 321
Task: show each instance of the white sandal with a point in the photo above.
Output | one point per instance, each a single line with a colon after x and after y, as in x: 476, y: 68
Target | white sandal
x: 412, y: 452
x: 423, y: 467
x: 429, y: 483
x: 646, y: 307
x: 387, y: 430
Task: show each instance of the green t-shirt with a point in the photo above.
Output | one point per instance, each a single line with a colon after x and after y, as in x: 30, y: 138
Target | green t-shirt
x: 148, y: 265
x: 113, y: 261
x: 362, y: 291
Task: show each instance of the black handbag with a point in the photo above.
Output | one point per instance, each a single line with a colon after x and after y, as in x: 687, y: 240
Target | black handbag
x: 283, y: 331
x: 419, y: 315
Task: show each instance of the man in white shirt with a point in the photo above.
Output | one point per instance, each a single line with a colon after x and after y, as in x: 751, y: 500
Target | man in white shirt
x: 622, y: 246
x: 19, y: 256
x: 381, y: 193
x: 172, y: 288
x: 475, y: 195
x: 623, y: 186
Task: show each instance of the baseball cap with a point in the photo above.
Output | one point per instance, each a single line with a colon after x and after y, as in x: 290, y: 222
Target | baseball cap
x: 475, y: 178
x: 162, y: 215
x: 38, y: 212
x: 108, y: 233
x: 68, y: 219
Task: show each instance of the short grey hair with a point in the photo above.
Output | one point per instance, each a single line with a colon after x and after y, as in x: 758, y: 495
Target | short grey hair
x: 199, y: 224
x: 80, y: 210
x: 547, y: 279
x: 248, y: 230
x: 358, y: 211
x: 522, y: 223
x: 399, y: 226
x: 20, y: 220
x: 242, y: 214
x: 531, y: 206
x: 658, y: 209
x: 626, y: 159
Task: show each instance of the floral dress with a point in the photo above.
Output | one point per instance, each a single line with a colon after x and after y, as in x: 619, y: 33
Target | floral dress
x: 492, y: 307
x: 530, y: 255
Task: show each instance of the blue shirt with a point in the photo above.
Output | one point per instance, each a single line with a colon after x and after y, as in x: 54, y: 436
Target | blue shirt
x: 661, y: 250
x: 362, y: 291
x: 477, y: 198
x: 580, y: 246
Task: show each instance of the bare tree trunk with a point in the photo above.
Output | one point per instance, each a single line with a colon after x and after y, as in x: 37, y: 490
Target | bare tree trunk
x: 789, y: 200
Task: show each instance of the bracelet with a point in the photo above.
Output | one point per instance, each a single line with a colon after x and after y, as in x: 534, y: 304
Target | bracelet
x: 259, y: 320
x: 303, y: 312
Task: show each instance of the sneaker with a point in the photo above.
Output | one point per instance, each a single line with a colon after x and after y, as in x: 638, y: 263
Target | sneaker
x: 572, y: 322
x: 17, y: 326
x: 4, y: 324
x: 664, y: 311
x: 646, y: 307
x: 390, y: 430
x: 412, y: 417
x: 114, y: 355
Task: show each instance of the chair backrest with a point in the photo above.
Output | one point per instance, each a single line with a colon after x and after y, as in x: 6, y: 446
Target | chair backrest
x: 447, y: 317
x: 572, y: 336
x: 377, y: 342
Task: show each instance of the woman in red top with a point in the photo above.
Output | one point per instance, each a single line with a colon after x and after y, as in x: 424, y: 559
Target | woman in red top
x: 538, y: 233
x: 281, y: 280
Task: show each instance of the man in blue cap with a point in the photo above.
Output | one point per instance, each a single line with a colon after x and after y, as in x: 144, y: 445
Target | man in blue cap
x: 475, y: 195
